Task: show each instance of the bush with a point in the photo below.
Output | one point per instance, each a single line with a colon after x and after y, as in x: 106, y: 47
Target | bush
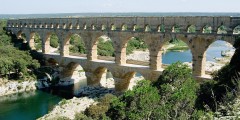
x: 105, y: 48
x: 179, y: 92
x: 78, y: 45
x: 80, y: 116
x: 134, y: 44
x: 139, y: 103
x: 98, y: 111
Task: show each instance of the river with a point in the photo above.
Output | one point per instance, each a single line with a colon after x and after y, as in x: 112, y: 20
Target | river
x: 32, y: 105
x: 214, y: 51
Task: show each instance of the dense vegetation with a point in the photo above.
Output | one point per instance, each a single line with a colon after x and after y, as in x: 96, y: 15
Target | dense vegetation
x: 14, y: 63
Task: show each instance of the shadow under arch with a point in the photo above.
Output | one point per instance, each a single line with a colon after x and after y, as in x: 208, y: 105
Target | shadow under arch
x: 128, y: 81
x: 52, y: 62
x: 72, y: 73
x: 102, y: 76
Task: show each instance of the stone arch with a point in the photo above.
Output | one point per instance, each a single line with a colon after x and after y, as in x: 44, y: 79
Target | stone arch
x: 236, y: 30
x: 77, y: 26
x: 175, y: 46
x: 207, y: 29
x: 161, y: 28
x: 35, y: 25
x: 113, y: 27
x: 176, y: 28
x: 124, y: 27
x: 51, y: 25
x: 31, y: 41
x: 191, y: 29
x: 22, y: 35
x: 64, y: 26
x: 25, y: 25
x: 133, y: 78
x: 93, y: 27
x: 16, y: 25
x: 40, y: 25
x: 136, y: 43
x: 19, y: 33
x: 96, y: 75
x: 215, y: 51
x: 75, y: 45
x: 45, y: 25
x: 57, y: 26
x: 103, y: 47
x: 222, y: 30
x: 30, y: 25
x: 147, y: 28
x: 126, y: 81
x: 51, y: 43
x: 72, y: 73
x: 70, y: 26
x: 84, y: 26
x: 136, y: 27
x: 35, y: 42
x: 103, y: 27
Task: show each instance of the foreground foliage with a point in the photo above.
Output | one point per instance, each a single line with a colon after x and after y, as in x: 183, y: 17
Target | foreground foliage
x: 14, y: 63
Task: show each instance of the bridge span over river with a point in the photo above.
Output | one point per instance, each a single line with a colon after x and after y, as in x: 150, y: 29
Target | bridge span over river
x: 155, y: 31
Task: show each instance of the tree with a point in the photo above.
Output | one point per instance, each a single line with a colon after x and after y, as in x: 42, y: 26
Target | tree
x: 16, y: 61
x: 54, y: 41
x: 77, y: 45
x: 139, y: 103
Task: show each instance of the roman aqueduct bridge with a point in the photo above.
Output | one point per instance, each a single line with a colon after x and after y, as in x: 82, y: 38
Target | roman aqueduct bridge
x: 155, y: 31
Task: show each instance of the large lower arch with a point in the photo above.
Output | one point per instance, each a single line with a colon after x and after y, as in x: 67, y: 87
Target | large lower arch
x: 127, y: 81
x: 95, y: 77
x: 72, y: 73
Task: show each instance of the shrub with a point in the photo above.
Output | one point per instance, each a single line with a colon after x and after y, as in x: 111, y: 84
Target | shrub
x: 178, y: 90
x: 138, y: 103
x: 105, y: 48
x: 98, y: 111
x: 54, y: 41
x: 80, y: 116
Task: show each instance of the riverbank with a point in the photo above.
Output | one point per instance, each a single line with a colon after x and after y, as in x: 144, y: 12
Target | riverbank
x: 8, y: 87
x: 86, y: 96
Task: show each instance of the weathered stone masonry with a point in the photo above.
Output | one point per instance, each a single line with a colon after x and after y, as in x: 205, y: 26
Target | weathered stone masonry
x: 120, y: 30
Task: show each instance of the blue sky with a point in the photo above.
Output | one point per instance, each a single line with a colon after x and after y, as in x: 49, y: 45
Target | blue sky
x: 80, y: 6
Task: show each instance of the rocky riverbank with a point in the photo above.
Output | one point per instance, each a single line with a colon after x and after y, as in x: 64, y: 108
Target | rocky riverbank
x: 68, y: 108
x: 86, y: 96
x: 8, y: 87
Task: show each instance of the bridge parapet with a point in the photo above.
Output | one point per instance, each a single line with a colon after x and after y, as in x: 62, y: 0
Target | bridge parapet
x: 130, y: 24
